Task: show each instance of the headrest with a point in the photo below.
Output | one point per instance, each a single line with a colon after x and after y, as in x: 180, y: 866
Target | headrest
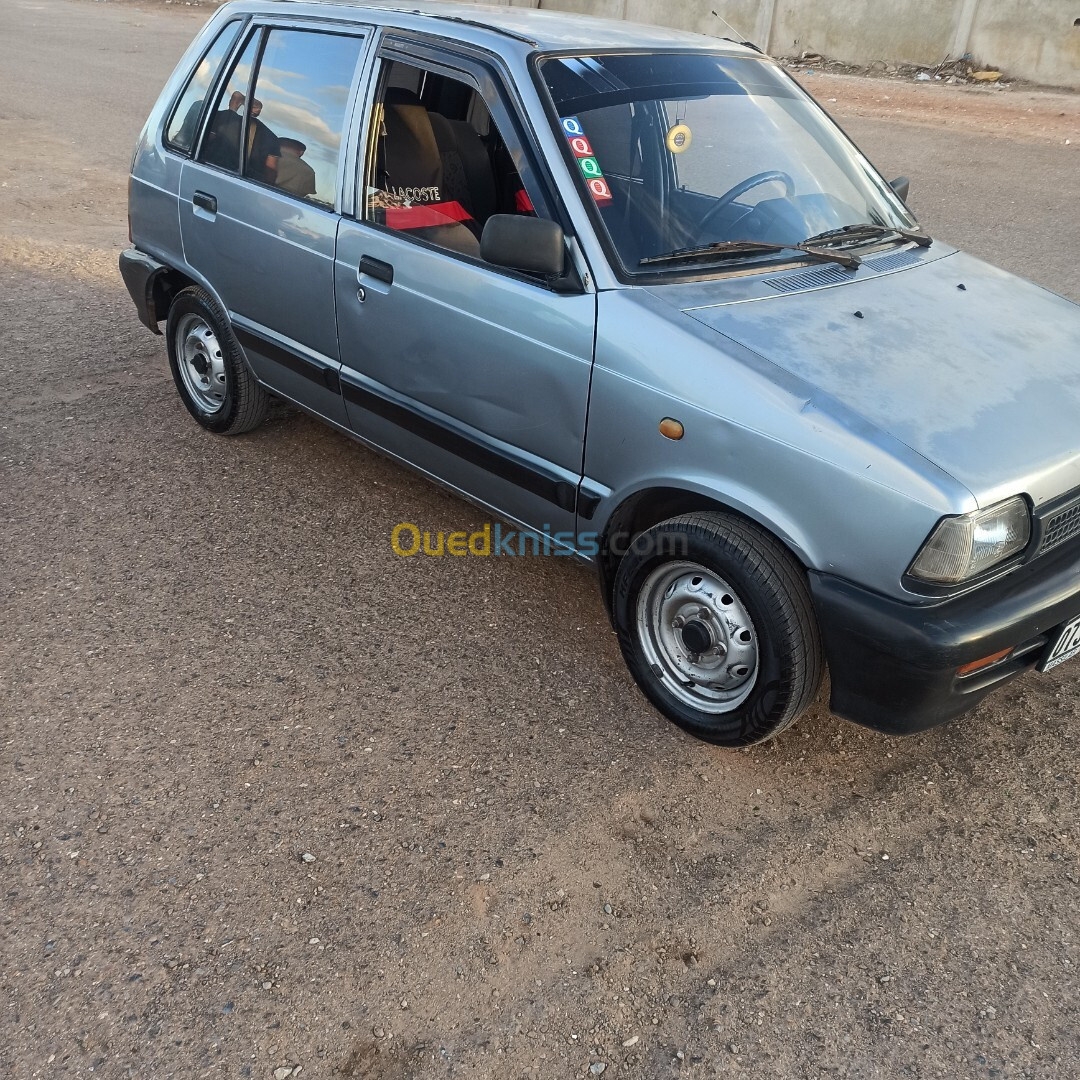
x: 398, y: 95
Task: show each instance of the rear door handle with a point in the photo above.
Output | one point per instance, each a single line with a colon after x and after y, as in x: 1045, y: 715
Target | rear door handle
x: 375, y: 268
x: 206, y: 202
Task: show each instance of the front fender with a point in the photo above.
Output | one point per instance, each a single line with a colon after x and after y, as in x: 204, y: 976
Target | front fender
x: 844, y: 497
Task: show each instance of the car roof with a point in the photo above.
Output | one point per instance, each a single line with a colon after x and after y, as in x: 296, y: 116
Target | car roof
x: 540, y: 29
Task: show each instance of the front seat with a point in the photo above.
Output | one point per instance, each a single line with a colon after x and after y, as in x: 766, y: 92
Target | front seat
x: 467, y: 172
x: 409, y: 178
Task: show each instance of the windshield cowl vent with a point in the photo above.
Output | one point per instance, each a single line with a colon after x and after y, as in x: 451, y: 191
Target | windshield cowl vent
x: 895, y: 261
x: 811, y: 279
x: 822, y: 276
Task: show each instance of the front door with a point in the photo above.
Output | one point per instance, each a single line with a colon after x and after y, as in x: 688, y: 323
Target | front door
x: 476, y: 374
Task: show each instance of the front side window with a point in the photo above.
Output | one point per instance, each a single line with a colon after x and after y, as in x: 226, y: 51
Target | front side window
x: 438, y: 166
x: 298, y: 107
x: 184, y: 123
x: 681, y: 151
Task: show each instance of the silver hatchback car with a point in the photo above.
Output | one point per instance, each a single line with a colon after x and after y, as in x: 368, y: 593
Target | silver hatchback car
x: 634, y: 291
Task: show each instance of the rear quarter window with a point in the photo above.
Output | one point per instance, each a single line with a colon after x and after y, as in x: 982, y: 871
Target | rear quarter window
x: 184, y: 121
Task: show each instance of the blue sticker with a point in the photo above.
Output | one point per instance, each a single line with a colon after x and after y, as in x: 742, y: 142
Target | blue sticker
x: 572, y: 126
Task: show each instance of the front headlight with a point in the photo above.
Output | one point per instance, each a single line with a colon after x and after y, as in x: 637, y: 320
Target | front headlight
x: 963, y: 547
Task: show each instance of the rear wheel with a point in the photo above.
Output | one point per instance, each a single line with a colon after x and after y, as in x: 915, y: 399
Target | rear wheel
x: 208, y: 367
x: 716, y: 625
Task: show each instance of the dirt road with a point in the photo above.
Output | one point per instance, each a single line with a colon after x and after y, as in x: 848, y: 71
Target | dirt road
x: 271, y: 797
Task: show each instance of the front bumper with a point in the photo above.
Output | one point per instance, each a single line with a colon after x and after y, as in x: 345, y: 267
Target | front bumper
x: 893, y: 665
x: 140, y: 273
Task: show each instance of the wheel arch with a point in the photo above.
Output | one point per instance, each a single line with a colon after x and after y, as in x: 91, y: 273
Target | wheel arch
x: 166, y: 283
x: 649, y: 506
x: 171, y: 282
x: 164, y: 289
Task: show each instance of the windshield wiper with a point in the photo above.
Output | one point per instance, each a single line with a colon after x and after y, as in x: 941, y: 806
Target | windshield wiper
x: 724, y: 248
x: 867, y: 229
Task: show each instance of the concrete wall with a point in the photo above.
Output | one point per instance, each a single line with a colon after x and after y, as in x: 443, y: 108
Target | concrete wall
x: 1037, y: 40
x: 858, y: 31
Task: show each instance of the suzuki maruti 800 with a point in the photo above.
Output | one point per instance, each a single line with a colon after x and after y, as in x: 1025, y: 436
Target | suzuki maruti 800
x: 631, y: 285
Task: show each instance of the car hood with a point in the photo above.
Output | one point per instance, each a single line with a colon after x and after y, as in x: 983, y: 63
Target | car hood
x: 973, y: 368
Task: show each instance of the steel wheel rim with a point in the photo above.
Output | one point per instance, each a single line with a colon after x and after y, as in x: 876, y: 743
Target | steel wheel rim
x: 697, y: 637
x: 201, y: 363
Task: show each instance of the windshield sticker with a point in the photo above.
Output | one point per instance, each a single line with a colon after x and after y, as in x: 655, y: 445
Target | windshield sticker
x: 599, y: 190
x: 678, y: 138
x: 581, y: 146
x: 586, y: 159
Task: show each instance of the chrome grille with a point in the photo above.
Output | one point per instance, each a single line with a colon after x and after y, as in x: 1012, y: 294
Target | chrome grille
x: 1061, y: 527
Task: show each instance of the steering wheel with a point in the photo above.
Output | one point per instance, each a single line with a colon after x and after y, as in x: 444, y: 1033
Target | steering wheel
x: 742, y: 188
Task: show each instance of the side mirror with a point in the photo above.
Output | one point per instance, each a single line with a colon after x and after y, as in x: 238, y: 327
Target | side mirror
x: 534, y: 245
x: 900, y: 185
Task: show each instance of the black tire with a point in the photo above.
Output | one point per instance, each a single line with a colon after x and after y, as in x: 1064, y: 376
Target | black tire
x: 765, y: 585
x: 232, y: 401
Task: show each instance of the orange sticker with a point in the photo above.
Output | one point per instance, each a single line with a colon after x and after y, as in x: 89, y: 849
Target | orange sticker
x: 581, y: 147
x: 598, y: 188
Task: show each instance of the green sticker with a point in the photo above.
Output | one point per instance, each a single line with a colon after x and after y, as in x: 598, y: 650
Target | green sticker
x: 590, y: 167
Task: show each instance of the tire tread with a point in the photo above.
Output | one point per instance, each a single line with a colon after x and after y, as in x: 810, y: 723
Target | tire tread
x: 251, y: 401
x: 794, y: 624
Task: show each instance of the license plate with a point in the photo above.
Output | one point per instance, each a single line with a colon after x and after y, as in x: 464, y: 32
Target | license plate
x: 1066, y: 646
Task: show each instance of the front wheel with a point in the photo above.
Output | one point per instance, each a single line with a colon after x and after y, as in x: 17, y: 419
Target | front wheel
x: 716, y: 625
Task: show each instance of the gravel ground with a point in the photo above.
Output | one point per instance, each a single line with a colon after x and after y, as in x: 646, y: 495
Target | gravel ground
x: 275, y: 802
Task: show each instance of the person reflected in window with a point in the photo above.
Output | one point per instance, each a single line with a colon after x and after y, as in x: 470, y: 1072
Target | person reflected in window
x: 263, y: 148
x: 222, y: 143
x: 294, y: 175
x: 185, y: 137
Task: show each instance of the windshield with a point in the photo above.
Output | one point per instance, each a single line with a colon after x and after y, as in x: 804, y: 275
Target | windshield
x: 679, y: 151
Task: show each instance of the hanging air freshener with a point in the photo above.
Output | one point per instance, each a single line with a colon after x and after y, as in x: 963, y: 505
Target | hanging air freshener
x: 678, y: 138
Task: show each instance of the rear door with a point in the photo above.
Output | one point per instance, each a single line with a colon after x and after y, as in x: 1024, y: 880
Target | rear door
x: 476, y: 374
x: 259, y: 203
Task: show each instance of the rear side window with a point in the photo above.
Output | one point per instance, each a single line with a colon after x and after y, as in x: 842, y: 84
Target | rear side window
x: 184, y: 123
x: 297, y: 114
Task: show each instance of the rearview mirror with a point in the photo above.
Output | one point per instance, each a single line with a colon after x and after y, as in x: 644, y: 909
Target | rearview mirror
x: 900, y: 185
x: 534, y: 245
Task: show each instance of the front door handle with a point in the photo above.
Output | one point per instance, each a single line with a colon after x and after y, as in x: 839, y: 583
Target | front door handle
x: 375, y: 268
x: 206, y: 202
